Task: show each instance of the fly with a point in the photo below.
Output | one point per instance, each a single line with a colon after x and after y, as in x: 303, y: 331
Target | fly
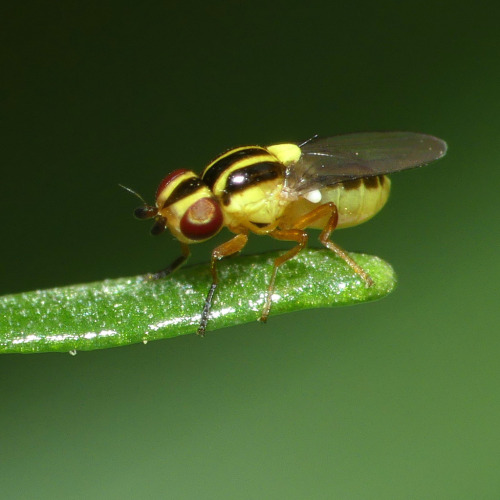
x: 280, y: 190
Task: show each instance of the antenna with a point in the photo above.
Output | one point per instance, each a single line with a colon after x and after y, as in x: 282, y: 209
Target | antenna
x: 144, y: 212
x: 134, y: 193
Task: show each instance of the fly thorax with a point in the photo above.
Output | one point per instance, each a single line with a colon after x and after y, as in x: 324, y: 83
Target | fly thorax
x: 247, y: 182
x: 259, y: 204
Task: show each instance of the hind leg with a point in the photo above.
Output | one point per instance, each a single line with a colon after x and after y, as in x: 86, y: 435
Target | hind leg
x: 330, y: 210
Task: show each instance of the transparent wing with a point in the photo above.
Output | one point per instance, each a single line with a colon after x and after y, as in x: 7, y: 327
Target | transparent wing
x: 329, y: 160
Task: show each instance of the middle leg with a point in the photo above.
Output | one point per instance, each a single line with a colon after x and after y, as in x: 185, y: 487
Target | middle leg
x: 293, y: 234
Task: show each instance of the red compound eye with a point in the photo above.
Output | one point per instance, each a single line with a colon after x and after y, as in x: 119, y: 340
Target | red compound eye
x: 168, y: 179
x: 202, y: 220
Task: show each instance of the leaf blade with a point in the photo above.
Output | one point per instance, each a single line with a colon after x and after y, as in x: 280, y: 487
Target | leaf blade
x: 124, y: 311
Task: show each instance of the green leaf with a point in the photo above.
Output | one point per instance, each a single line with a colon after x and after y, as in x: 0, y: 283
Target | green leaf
x: 125, y: 311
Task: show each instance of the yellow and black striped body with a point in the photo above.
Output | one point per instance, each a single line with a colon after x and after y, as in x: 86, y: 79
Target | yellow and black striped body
x: 248, y: 182
x: 281, y: 190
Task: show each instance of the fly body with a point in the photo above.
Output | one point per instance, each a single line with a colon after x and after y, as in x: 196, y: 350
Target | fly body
x: 280, y: 190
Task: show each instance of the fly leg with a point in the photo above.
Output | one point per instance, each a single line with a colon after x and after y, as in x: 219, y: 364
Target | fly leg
x: 293, y: 234
x: 330, y: 209
x: 230, y: 247
x: 174, y: 266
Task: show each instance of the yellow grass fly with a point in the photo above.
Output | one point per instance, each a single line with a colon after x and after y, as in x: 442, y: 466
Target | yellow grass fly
x: 280, y: 190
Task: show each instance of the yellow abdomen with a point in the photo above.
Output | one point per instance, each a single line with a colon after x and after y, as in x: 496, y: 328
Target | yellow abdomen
x: 357, y: 201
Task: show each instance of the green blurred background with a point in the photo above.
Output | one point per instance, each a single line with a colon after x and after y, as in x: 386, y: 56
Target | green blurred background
x: 393, y: 399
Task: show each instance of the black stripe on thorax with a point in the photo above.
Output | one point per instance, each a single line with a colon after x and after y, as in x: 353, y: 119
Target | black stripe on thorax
x: 249, y: 176
x: 184, y: 189
x: 218, y: 167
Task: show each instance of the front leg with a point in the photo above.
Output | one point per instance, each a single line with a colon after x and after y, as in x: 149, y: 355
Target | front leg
x: 230, y: 247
